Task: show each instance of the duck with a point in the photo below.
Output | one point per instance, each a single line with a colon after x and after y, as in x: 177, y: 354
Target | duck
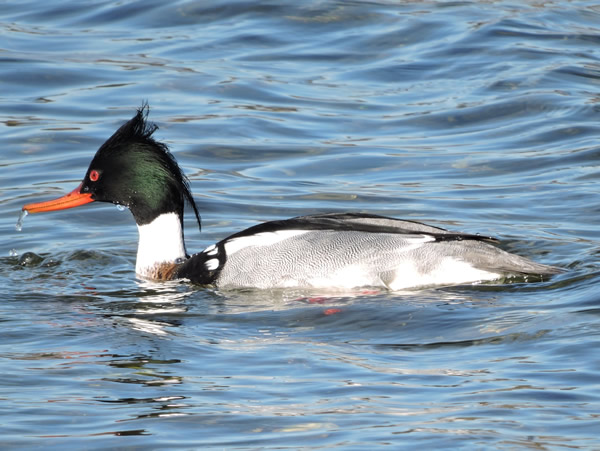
x: 321, y: 251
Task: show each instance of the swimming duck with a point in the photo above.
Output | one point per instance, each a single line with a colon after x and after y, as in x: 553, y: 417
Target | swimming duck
x: 335, y: 250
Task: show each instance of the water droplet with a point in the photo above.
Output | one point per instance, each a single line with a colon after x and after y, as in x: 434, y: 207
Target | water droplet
x: 19, y: 224
x: 120, y: 207
x: 13, y: 253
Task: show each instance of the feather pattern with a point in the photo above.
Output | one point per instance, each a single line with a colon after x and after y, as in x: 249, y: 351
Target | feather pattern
x: 353, y: 250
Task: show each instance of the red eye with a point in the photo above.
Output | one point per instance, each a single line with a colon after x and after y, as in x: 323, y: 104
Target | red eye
x: 94, y: 175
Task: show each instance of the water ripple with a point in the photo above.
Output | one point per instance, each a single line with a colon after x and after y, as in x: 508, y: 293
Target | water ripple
x: 476, y: 116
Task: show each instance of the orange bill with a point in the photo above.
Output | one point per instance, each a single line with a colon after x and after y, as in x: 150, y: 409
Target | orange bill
x: 73, y: 199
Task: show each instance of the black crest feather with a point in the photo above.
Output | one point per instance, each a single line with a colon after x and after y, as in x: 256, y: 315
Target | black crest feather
x: 139, y: 131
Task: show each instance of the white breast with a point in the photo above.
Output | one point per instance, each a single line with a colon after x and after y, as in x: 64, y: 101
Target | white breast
x: 161, y: 241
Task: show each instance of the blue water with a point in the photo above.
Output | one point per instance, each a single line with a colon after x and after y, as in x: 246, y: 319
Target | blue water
x: 475, y: 116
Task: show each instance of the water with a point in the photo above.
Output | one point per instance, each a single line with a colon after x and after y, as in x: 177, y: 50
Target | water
x: 19, y: 224
x: 475, y: 116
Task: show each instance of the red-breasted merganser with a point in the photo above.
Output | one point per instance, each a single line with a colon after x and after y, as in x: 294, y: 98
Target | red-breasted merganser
x: 337, y: 250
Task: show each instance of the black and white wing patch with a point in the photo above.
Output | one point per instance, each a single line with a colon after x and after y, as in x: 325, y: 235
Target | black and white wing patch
x: 204, y: 267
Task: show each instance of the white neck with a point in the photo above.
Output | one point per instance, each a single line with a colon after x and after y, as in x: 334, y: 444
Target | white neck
x: 161, y: 241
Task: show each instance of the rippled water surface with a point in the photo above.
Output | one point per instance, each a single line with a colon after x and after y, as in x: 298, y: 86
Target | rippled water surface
x: 475, y: 116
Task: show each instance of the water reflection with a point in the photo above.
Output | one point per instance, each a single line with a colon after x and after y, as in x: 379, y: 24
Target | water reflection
x: 150, y: 307
x: 145, y: 370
